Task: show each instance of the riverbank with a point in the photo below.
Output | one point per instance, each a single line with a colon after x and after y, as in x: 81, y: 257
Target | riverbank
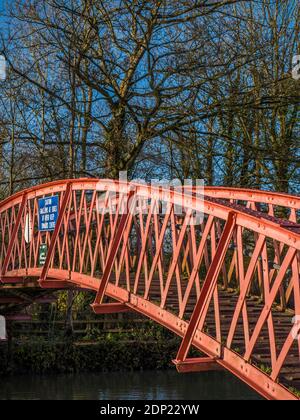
x: 48, y: 357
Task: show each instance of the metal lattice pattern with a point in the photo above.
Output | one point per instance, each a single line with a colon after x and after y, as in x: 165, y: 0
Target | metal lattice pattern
x: 229, y: 286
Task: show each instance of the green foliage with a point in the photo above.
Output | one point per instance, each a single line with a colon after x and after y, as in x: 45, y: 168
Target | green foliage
x: 265, y: 369
x: 81, y: 302
x: 111, y: 353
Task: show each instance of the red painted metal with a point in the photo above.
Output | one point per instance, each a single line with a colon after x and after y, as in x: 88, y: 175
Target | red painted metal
x: 200, y: 364
x: 54, y: 284
x: 13, y: 235
x: 13, y: 280
x: 111, y: 308
x: 256, y: 197
x: 57, y: 229
x: 112, y: 253
x: 229, y: 287
x: 208, y: 288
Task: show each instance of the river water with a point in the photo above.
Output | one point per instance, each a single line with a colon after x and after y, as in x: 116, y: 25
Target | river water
x: 168, y: 385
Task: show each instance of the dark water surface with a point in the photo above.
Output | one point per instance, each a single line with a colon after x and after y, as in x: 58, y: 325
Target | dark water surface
x: 168, y: 385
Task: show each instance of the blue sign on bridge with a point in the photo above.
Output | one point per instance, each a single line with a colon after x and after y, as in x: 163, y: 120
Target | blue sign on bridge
x: 48, y: 213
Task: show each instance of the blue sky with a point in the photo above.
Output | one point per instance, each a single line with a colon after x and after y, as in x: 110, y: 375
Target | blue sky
x: 2, y: 3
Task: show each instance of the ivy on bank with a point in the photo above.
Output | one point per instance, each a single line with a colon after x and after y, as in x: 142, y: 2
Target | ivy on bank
x: 42, y: 357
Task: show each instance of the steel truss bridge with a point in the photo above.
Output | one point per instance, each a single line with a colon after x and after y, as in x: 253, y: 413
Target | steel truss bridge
x: 230, y: 287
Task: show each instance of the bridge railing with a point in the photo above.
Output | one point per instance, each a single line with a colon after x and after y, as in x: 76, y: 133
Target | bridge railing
x: 229, y: 285
x: 280, y: 205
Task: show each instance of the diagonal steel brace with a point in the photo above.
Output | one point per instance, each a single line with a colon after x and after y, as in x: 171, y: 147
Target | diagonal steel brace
x: 208, y: 288
x: 113, y: 252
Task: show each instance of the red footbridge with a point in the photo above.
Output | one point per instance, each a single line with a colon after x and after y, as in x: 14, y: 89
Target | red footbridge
x: 229, y: 286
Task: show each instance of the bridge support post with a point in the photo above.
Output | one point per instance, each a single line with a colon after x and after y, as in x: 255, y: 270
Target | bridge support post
x: 199, y: 364
x: 56, y: 233
x: 111, y: 308
x: 208, y: 288
x: 113, y: 253
x: 13, y: 236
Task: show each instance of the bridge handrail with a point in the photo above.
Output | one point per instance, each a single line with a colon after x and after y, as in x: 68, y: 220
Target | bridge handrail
x: 256, y: 196
x: 217, y: 209
x: 241, y: 194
